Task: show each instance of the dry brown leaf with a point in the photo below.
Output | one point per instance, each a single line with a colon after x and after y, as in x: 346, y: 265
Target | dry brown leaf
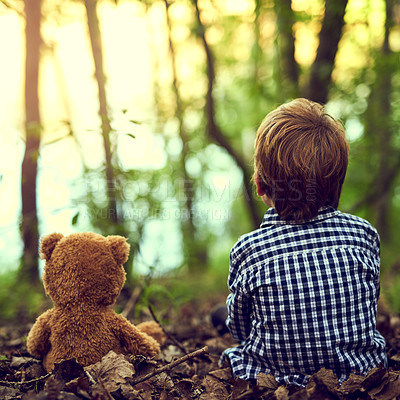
x: 164, y: 395
x: 67, y: 370
x: 374, y: 377
x: 267, y: 381
x: 17, y: 362
x: 162, y: 381
x: 113, y: 371
x: 215, y: 389
x: 170, y: 353
x: 325, y: 377
x: 244, y: 390
x: 281, y: 393
x: 143, y: 390
x: 78, y: 384
x: 184, y: 388
x: 390, y: 390
x: 216, y: 344
x: 376, y: 390
x: 223, y: 373
x: 129, y: 393
x: 352, y: 384
x: 8, y: 393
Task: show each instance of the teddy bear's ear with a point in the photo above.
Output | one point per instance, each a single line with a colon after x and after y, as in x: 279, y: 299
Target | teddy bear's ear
x: 119, y: 248
x: 48, y: 244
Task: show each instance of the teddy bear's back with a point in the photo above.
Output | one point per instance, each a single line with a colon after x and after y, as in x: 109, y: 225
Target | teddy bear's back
x: 85, y: 336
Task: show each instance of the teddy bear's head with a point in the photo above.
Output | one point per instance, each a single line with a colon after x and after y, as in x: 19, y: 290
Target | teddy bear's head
x: 83, y: 267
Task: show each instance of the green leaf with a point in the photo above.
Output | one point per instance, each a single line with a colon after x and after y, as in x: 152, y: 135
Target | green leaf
x: 75, y: 218
x: 131, y: 135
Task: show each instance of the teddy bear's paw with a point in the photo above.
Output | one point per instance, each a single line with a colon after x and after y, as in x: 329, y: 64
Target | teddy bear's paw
x: 154, y: 330
x: 150, y: 348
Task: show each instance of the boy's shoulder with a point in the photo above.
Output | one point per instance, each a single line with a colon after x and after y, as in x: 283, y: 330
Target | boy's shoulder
x: 276, y: 231
x: 356, y: 221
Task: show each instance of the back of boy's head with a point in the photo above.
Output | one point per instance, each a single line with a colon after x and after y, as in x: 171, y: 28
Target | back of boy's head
x: 300, y: 159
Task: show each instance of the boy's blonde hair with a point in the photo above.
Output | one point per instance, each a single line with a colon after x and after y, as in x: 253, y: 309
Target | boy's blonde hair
x: 301, y: 158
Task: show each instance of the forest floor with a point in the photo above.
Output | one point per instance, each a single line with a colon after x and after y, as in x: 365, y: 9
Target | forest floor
x: 187, y: 368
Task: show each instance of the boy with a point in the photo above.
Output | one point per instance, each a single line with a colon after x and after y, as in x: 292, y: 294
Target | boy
x: 304, y: 286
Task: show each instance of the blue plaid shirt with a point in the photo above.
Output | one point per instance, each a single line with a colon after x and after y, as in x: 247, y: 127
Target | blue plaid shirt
x: 304, y: 296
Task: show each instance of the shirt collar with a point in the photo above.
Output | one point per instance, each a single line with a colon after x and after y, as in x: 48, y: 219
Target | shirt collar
x: 271, y: 217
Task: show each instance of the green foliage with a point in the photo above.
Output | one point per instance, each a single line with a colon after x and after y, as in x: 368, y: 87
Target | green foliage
x: 391, y: 288
x: 364, y: 93
x: 19, y: 301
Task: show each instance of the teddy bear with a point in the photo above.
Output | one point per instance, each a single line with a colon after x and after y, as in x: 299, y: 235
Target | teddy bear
x: 83, y: 275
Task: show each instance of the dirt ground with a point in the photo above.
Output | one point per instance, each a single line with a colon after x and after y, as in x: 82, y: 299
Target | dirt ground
x: 187, y: 368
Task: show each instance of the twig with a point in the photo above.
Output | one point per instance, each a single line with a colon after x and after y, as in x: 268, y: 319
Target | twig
x: 11, y: 7
x: 173, y: 340
x: 130, y: 304
x: 106, y: 391
x: 9, y: 383
x: 173, y: 364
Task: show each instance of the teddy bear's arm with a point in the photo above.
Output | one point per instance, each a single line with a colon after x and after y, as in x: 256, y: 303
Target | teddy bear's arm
x: 38, y: 342
x: 133, y: 339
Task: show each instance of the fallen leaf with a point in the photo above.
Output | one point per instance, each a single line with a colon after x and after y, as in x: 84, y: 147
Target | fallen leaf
x: 374, y: 377
x: 281, y: 393
x: 68, y: 370
x: 113, y: 370
x: 164, y: 395
x: 352, y: 384
x: 244, y: 390
x: 215, y: 389
x: 17, y: 362
x: 162, y: 381
x: 391, y: 389
x: 267, y: 381
x: 217, y: 344
x: 7, y: 393
x: 129, y: 393
x: 34, y: 371
x: 78, y: 384
x: 141, y: 364
x: 324, y: 377
x: 53, y: 387
x: 170, y: 353
x: 184, y: 388
x: 395, y: 357
x: 223, y: 373
x: 377, y: 389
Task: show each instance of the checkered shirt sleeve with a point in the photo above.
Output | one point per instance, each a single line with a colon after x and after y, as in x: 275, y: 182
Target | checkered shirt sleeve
x: 303, y: 297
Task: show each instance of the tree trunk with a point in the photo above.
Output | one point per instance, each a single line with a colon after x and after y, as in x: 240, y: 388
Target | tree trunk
x: 29, y: 271
x: 215, y: 133
x: 379, y: 131
x: 329, y: 37
x: 257, y: 50
x: 95, y: 40
x: 188, y: 226
x: 288, y: 69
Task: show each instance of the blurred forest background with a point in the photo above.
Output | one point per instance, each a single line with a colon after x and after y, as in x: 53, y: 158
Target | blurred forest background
x: 138, y: 118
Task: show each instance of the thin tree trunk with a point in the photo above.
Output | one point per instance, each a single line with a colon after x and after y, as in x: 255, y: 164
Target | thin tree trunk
x: 29, y: 271
x: 257, y: 50
x: 215, y: 133
x: 188, y: 226
x: 95, y: 40
x: 329, y: 37
x: 379, y: 131
x: 288, y: 69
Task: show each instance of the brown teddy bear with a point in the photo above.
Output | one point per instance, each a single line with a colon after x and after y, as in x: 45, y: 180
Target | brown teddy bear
x: 84, y: 275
